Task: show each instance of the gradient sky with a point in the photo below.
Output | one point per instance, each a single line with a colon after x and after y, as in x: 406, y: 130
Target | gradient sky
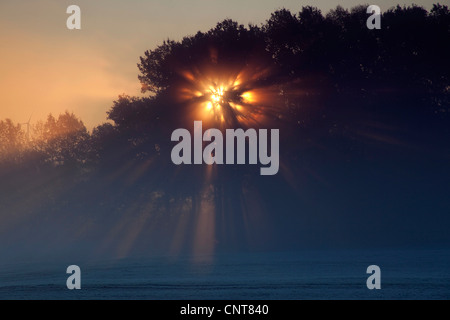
x: 44, y: 67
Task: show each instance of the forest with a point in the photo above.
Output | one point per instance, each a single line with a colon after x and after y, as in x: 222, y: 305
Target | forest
x: 364, y: 120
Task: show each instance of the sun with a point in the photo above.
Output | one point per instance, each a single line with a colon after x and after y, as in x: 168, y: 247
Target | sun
x: 229, y: 97
x: 224, y: 102
x: 217, y: 100
x: 217, y: 95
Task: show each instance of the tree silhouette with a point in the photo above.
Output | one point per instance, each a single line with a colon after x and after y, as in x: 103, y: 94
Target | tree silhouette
x: 63, y: 140
x: 12, y: 141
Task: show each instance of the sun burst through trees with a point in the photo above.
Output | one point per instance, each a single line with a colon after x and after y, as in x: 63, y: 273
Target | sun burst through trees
x: 229, y: 98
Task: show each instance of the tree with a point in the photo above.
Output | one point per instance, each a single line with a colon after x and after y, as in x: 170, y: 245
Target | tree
x: 63, y: 141
x: 12, y: 141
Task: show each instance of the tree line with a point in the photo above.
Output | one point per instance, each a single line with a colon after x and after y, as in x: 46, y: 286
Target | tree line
x: 333, y: 57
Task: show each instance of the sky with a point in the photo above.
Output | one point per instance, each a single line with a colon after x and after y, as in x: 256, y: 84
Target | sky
x: 47, y: 68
